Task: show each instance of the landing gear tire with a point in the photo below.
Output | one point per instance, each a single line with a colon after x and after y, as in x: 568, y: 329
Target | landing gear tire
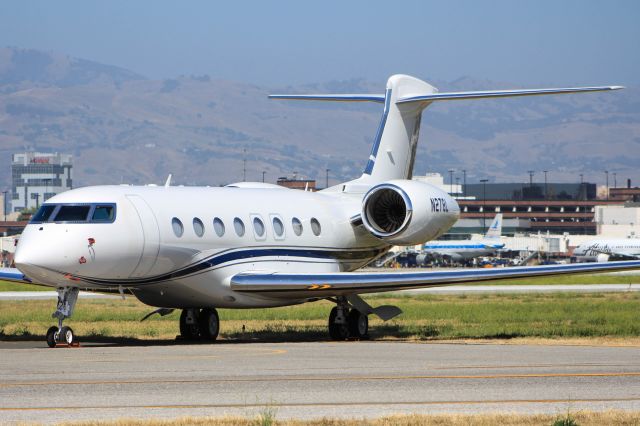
x: 337, y: 331
x: 66, y: 335
x: 209, y: 324
x: 52, y: 336
x: 189, y: 328
x: 67, y: 298
x: 358, y: 324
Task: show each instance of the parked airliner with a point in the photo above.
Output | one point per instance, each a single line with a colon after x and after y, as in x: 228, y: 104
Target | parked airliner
x: 253, y: 245
x: 457, y: 250
x: 603, y: 250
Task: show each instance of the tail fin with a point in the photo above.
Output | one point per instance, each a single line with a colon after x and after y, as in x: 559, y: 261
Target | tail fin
x: 495, y: 230
x: 394, y: 147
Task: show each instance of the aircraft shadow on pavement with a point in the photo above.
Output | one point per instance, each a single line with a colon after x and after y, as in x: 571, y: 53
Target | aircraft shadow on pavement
x: 380, y: 332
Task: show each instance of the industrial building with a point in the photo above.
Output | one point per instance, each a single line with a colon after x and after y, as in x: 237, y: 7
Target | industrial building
x: 36, y: 177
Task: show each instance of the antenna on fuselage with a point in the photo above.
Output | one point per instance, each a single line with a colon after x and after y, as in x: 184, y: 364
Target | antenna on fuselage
x: 167, y: 183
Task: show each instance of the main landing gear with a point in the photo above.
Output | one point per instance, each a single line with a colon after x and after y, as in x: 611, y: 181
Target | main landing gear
x: 346, y: 322
x: 201, y: 324
x: 67, y: 298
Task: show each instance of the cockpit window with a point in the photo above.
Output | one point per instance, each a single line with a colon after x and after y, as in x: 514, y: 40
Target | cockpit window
x: 102, y: 214
x: 44, y: 213
x: 93, y: 213
x: 72, y: 214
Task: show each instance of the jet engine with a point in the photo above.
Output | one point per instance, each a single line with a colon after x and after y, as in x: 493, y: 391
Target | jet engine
x: 405, y: 212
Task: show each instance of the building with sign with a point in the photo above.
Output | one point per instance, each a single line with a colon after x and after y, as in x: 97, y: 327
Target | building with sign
x: 36, y: 177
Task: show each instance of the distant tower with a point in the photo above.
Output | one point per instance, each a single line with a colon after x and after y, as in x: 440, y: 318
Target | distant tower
x: 36, y: 177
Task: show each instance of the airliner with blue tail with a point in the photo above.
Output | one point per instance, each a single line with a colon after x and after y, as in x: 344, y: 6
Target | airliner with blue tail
x: 458, y: 250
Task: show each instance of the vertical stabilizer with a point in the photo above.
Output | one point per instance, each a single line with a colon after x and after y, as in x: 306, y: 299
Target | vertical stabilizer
x: 495, y: 230
x: 394, y: 147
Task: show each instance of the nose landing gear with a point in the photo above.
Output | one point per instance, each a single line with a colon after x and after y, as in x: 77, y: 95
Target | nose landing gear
x: 67, y: 298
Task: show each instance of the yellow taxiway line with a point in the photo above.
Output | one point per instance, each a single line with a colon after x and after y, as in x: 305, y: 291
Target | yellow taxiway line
x: 321, y: 379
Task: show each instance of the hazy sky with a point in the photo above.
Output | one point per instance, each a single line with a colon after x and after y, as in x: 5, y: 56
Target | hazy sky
x: 280, y: 42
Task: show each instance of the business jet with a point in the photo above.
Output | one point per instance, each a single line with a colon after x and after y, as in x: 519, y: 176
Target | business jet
x: 256, y: 245
x: 458, y: 250
x: 603, y: 250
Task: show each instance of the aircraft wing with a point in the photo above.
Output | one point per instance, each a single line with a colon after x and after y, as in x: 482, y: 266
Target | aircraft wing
x: 13, y: 274
x: 626, y: 256
x: 345, y: 283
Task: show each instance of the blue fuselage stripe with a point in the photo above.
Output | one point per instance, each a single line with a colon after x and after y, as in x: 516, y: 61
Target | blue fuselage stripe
x: 376, y: 143
x: 251, y: 253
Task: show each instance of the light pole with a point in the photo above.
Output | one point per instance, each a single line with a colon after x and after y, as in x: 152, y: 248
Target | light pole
x: 4, y: 204
x: 37, y: 200
x: 615, y: 181
x: 546, y: 196
x: 451, y: 181
x: 582, y: 191
x: 464, y: 183
x: 326, y: 178
x: 531, y: 172
x: 484, y: 204
x: 46, y: 189
x: 457, y: 185
x: 263, y: 173
x: 606, y: 172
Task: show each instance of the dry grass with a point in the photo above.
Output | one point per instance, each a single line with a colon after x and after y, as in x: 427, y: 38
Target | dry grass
x: 582, y: 418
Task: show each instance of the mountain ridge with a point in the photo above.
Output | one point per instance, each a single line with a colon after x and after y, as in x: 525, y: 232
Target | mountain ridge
x: 125, y: 128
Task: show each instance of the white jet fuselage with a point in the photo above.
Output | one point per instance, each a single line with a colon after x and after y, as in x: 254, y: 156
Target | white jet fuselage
x: 168, y: 264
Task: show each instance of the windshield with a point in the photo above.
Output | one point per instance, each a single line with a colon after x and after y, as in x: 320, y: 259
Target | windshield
x: 76, y: 213
x: 44, y: 213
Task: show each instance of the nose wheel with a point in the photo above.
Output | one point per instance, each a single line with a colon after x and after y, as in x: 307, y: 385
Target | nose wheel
x: 67, y: 298
x: 62, y: 335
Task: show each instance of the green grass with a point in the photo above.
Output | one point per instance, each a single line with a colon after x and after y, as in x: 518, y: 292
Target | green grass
x: 572, y: 279
x: 14, y: 286
x: 425, y: 317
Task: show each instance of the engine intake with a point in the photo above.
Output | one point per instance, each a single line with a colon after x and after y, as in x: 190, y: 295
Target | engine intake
x: 405, y: 212
x: 387, y: 210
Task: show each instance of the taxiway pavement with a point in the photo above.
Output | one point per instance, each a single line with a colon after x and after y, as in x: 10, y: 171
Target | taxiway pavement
x: 308, y: 380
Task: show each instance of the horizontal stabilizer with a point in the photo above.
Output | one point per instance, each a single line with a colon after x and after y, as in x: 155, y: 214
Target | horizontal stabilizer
x: 337, y: 98
x: 452, y: 96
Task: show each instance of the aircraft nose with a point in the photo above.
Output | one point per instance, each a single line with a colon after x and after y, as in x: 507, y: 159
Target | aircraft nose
x: 33, y: 256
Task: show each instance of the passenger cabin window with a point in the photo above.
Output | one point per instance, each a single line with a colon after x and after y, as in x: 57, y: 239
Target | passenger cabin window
x: 198, y: 227
x: 102, y: 214
x: 72, y: 214
x: 238, y: 225
x: 278, y: 227
x: 258, y: 227
x: 178, y: 228
x: 218, y: 226
x: 315, y: 226
x: 297, y: 226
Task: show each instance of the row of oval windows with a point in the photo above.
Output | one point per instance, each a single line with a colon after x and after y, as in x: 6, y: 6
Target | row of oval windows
x: 238, y: 226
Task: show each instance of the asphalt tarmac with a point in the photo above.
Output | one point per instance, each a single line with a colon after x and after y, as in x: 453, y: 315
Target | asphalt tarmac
x: 307, y: 380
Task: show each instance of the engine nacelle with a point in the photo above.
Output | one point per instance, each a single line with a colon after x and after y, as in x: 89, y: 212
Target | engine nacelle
x: 406, y: 212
